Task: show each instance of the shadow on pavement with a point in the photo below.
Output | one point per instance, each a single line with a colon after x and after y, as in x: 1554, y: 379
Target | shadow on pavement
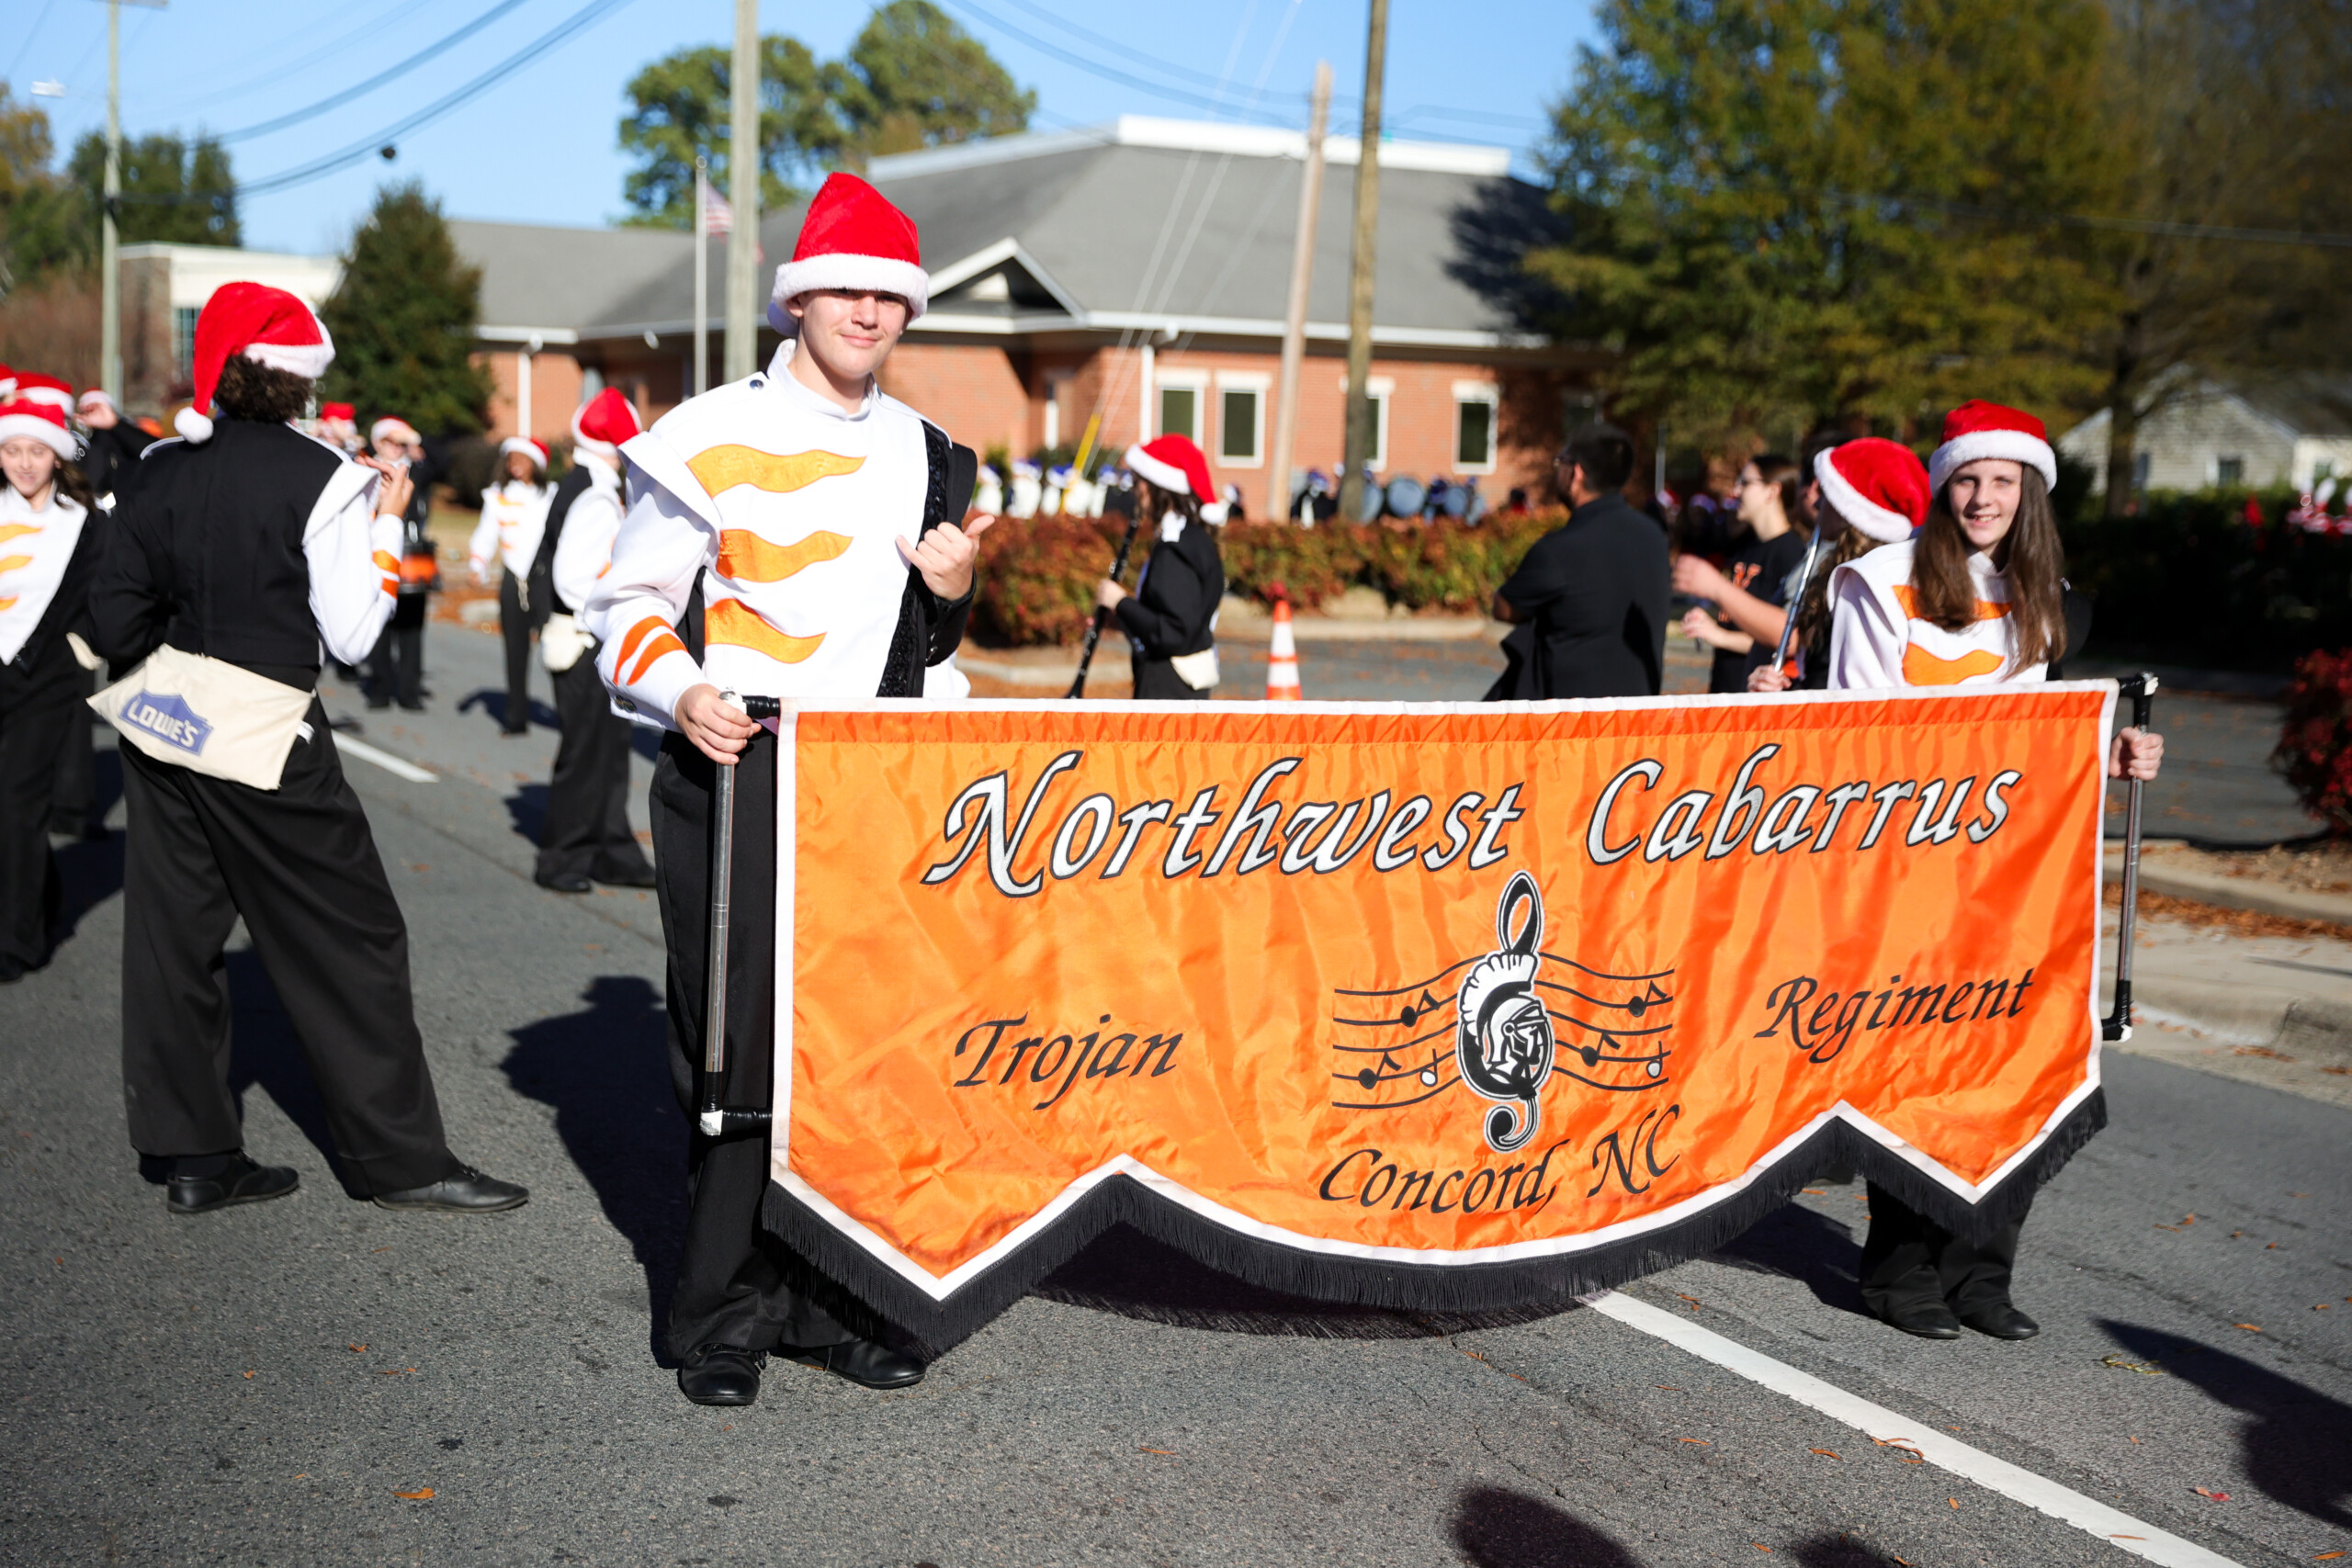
x: 264, y: 1050
x: 2298, y: 1441
x: 526, y: 810
x: 493, y: 701
x: 1129, y: 1274
x: 1805, y: 1244
x: 1496, y: 1529
x: 605, y: 1070
x: 1833, y: 1551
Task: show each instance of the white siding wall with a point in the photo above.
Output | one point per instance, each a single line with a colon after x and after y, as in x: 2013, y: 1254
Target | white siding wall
x: 2185, y: 444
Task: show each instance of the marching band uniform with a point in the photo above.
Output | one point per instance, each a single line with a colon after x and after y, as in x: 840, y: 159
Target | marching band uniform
x: 1916, y: 1275
x: 514, y: 515
x: 251, y: 544
x: 587, y: 838
x: 73, y: 802
x: 46, y: 560
x: 760, y: 554
x: 1170, y: 618
x: 396, y: 667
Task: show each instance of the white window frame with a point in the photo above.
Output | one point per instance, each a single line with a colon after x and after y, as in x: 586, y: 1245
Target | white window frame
x: 1380, y: 389
x: 1193, y: 381
x: 1056, y: 381
x: 1488, y: 393
x: 1257, y: 384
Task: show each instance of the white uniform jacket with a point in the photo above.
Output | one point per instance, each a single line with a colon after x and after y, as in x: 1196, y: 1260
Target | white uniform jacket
x: 514, y: 515
x: 584, y: 551
x: 1877, y: 641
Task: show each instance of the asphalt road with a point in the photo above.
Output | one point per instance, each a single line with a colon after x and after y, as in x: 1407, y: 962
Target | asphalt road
x: 262, y: 1386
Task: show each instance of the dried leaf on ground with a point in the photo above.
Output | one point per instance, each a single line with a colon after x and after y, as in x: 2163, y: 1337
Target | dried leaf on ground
x: 2217, y: 1496
x: 1144, y: 1451
x: 2117, y: 1363
x: 419, y: 1495
x: 2249, y: 1327
x: 1831, y: 1453
x: 1703, y: 1441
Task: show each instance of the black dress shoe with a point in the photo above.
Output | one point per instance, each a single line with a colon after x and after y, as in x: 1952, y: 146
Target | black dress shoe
x: 643, y: 878
x: 721, y: 1374
x: 567, y: 882
x: 1928, y: 1319
x: 464, y: 1192
x: 866, y: 1362
x: 242, y: 1182
x: 2002, y: 1321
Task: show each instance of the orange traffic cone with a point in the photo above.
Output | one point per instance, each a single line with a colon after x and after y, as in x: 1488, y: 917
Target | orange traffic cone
x: 1282, y: 658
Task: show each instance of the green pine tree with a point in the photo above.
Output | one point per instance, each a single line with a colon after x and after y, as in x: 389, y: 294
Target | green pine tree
x: 1786, y: 211
x: 403, y: 320
x: 175, y: 191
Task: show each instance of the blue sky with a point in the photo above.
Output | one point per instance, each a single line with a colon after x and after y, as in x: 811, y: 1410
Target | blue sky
x: 540, y: 144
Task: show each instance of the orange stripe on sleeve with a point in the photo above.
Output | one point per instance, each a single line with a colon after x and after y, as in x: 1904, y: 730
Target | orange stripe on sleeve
x: 657, y: 648
x: 637, y: 634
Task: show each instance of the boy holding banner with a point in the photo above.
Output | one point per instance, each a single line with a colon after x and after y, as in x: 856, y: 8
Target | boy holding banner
x: 794, y: 535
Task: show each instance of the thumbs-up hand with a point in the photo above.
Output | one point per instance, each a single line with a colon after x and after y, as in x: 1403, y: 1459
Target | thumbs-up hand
x: 947, y: 556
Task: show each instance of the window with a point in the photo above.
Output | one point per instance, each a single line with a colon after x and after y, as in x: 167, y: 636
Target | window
x: 2322, y: 468
x: 1380, y: 389
x: 1183, y: 395
x: 2229, y: 470
x: 184, y: 339
x: 1241, y: 419
x: 1474, y: 426
x: 1055, y: 384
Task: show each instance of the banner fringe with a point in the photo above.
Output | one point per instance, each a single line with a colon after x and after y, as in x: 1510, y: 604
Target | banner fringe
x: 934, y: 1327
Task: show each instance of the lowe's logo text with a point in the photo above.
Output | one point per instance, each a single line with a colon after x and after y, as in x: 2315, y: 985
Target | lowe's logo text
x: 168, y: 718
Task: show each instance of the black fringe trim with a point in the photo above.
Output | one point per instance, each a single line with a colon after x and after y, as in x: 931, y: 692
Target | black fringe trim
x: 934, y: 1327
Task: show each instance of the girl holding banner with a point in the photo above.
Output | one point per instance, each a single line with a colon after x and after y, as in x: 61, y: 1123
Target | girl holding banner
x: 1170, y: 618
x: 1975, y: 596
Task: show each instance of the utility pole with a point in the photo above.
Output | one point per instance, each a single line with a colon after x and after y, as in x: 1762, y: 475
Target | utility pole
x: 109, y: 242
x: 702, y: 275
x: 1302, y: 275
x: 743, y: 178
x: 1361, y: 429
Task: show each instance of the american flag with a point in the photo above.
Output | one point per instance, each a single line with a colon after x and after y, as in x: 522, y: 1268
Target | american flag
x: 717, y: 217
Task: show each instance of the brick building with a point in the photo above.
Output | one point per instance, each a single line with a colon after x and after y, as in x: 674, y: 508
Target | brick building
x: 1138, y: 272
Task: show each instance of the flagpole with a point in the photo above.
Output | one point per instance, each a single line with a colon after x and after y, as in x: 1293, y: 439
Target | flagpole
x: 743, y: 173
x: 702, y: 275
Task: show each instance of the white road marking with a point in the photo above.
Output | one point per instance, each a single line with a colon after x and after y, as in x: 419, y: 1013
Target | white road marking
x: 1937, y: 1448
x: 384, y: 760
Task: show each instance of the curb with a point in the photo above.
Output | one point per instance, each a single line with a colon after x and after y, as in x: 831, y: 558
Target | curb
x: 2237, y: 893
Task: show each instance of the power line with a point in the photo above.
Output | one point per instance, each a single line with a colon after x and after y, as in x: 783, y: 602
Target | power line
x: 334, y: 46
x: 440, y: 46
x: 1109, y: 73
x: 27, y: 42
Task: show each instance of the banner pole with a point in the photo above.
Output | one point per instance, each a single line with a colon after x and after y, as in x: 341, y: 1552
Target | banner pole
x: 1796, y: 601
x: 2117, y: 1027
x: 715, y: 1121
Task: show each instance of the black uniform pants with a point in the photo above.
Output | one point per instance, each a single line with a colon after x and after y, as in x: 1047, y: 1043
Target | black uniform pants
x: 37, y: 711
x: 515, y: 626
x: 738, y: 1284
x: 1909, y: 1261
x: 74, y: 805
x: 396, y: 667
x: 1157, y: 682
x: 587, y: 831
x: 299, y: 863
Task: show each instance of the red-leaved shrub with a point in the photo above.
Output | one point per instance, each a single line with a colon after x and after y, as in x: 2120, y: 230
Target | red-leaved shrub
x: 2315, y: 745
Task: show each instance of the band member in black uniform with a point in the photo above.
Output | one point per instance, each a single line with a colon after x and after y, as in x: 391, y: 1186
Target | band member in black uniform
x: 48, y: 550
x: 249, y: 544
x: 587, y: 838
x: 699, y: 587
x: 396, y: 664
x: 111, y: 443
x: 1170, y: 618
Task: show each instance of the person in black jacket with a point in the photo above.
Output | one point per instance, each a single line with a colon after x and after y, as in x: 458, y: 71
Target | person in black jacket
x: 48, y: 550
x: 396, y: 664
x: 111, y: 443
x: 1170, y: 618
x: 1589, y: 604
x: 247, y: 545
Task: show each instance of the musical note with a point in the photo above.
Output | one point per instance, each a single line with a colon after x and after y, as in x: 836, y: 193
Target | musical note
x: 1413, y: 1012
x: 1429, y: 1074
x: 1371, y: 1078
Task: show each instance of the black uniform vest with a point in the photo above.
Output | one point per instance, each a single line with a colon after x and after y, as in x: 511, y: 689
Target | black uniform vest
x: 541, y: 580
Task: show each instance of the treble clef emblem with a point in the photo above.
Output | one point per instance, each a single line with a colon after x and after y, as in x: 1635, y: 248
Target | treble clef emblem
x: 1503, y: 1041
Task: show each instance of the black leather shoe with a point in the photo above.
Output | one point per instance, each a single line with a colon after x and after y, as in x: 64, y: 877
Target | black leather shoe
x: 567, y: 882
x: 464, y: 1192
x: 866, y: 1362
x: 630, y: 879
x: 242, y: 1183
x: 1928, y: 1320
x: 721, y: 1374
x: 2002, y: 1321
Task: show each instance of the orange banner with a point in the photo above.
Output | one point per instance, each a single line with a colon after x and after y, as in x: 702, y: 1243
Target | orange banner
x: 1350, y: 996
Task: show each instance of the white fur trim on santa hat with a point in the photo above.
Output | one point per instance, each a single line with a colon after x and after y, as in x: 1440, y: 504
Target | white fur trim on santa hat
x: 528, y: 448
x: 1879, y: 522
x: 52, y: 433
x: 308, y: 360
x: 1977, y: 444
x: 881, y: 274
x: 1166, y: 476
x: 392, y: 425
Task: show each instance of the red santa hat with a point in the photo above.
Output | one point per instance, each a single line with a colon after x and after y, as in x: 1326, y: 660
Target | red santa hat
x: 392, y: 427
x: 341, y: 413
x: 27, y: 419
x: 1877, y: 486
x: 96, y: 397
x: 852, y: 238
x: 1174, y: 464
x: 1977, y: 430
x: 266, y: 325
x: 535, y: 450
x: 7, y: 380
x: 33, y: 387
x: 604, y: 422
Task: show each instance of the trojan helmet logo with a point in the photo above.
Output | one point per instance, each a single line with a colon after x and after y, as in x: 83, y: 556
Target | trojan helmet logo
x: 1503, y: 1041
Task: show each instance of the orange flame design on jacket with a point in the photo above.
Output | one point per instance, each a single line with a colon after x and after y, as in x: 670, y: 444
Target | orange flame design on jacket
x: 1921, y: 668
x: 746, y: 557
x: 10, y: 563
x: 724, y: 467
x: 736, y: 624
x: 1987, y: 609
x: 16, y: 530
